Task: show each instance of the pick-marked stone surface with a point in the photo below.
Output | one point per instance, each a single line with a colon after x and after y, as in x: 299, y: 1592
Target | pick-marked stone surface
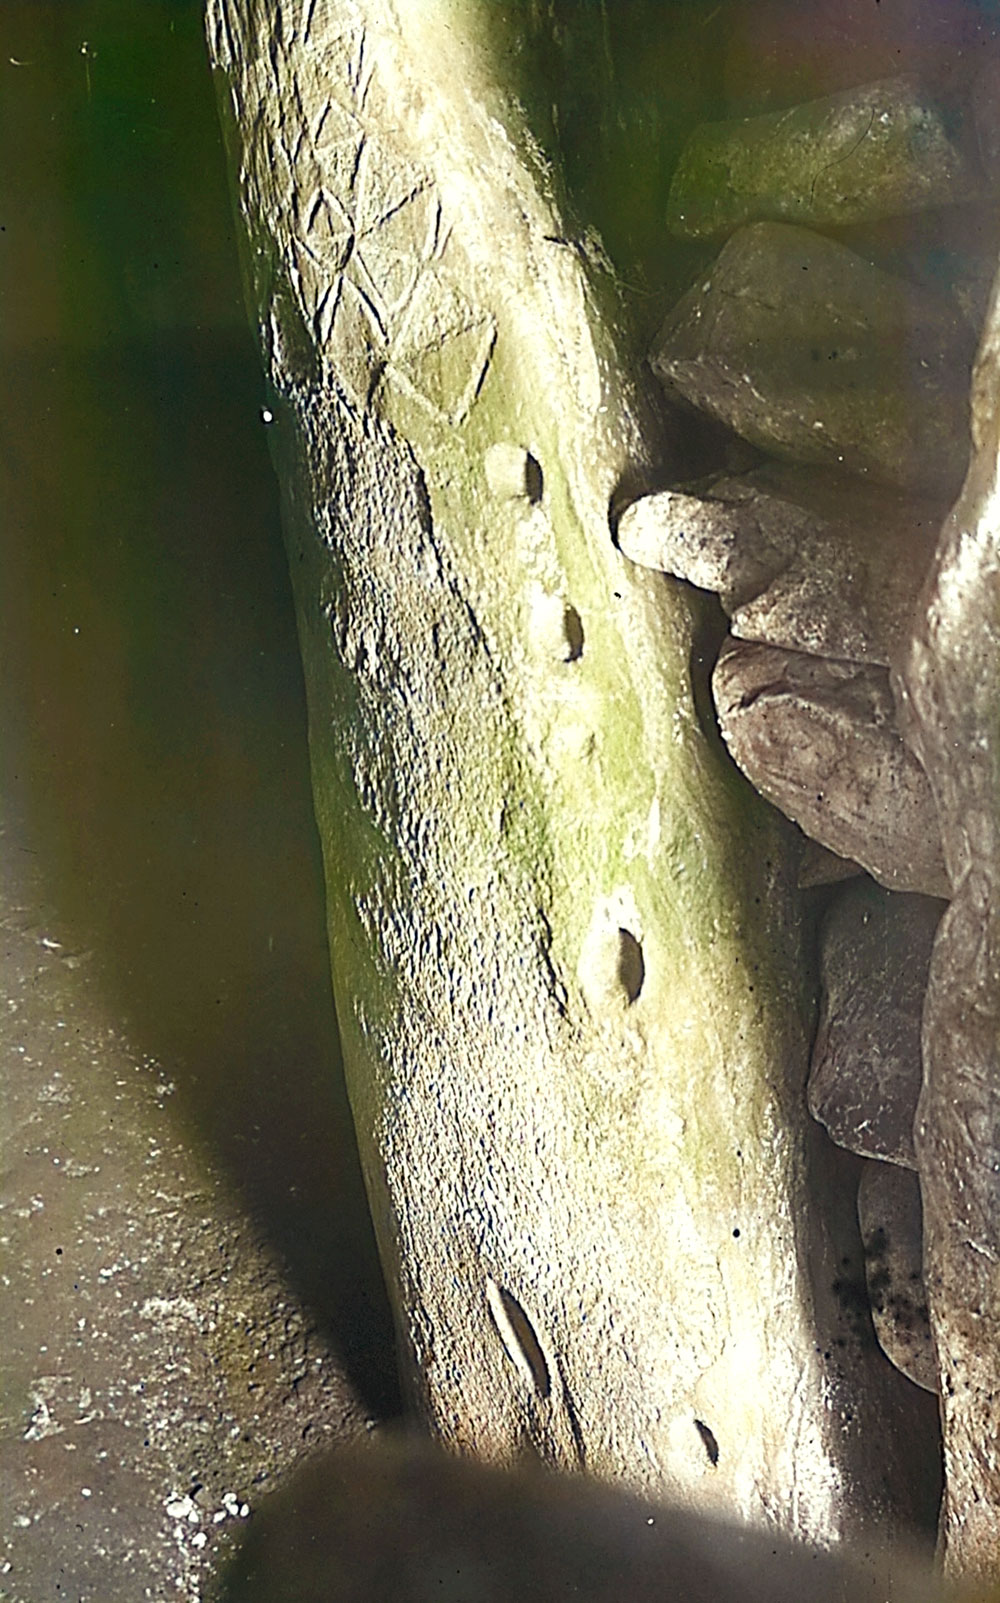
x: 801, y: 559
x: 570, y: 1007
x: 819, y: 739
x: 877, y: 150
x: 875, y: 948
x: 814, y: 355
x: 890, y: 1217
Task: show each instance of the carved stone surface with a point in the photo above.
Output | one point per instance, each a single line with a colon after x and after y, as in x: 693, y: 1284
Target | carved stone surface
x: 889, y: 1214
x: 802, y: 559
x: 571, y: 1013
x: 812, y: 354
x: 819, y: 740
x: 875, y: 948
x: 873, y: 151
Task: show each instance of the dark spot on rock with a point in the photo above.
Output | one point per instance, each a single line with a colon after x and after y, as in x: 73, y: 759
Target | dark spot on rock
x: 710, y: 1443
x: 631, y: 967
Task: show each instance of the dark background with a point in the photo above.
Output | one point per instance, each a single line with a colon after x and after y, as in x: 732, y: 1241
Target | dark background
x: 154, y: 756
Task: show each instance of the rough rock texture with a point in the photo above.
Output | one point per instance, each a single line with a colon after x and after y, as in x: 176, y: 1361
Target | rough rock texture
x: 160, y: 1373
x: 812, y: 354
x: 562, y: 934
x: 948, y: 687
x: 802, y: 559
x: 984, y: 98
x: 819, y: 739
x: 889, y: 1213
x: 875, y: 948
x: 395, y: 1521
x: 878, y: 150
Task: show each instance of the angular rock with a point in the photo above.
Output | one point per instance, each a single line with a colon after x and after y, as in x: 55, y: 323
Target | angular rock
x: 891, y: 1221
x: 875, y: 949
x: 878, y: 150
x: 812, y: 354
x: 802, y: 559
x: 819, y: 740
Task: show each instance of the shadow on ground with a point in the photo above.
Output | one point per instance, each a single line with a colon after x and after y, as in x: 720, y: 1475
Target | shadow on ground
x: 153, y: 716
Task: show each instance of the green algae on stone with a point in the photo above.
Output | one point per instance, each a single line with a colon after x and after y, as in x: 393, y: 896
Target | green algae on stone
x: 571, y: 992
x: 813, y: 355
x: 879, y: 150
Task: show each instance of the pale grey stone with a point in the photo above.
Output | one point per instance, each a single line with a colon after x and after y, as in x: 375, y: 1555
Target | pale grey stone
x: 864, y: 1080
x: 890, y: 1217
x: 877, y: 150
x: 812, y: 354
x: 535, y: 907
x: 818, y: 738
x: 727, y: 538
x: 803, y: 559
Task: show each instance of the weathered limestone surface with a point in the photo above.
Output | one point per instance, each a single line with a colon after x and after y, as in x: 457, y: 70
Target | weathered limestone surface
x: 563, y: 936
x: 874, y: 151
x: 889, y: 1213
x: 875, y: 948
x: 811, y: 353
x: 948, y: 687
x: 819, y: 739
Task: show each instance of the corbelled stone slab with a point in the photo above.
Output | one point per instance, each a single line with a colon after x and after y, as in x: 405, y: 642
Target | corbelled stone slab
x: 819, y: 739
x: 891, y: 1221
x: 875, y: 948
x: 800, y: 559
x: 877, y: 150
x: 811, y: 353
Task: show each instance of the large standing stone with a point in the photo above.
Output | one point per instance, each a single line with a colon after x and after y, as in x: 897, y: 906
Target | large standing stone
x: 877, y: 150
x: 819, y: 739
x: 811, y: 353
x: 563, y: 941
